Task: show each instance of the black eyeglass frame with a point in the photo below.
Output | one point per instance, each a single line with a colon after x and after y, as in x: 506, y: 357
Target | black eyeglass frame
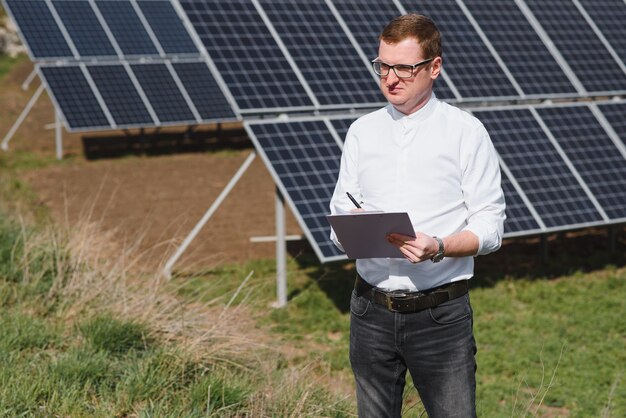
x: 393, y: 67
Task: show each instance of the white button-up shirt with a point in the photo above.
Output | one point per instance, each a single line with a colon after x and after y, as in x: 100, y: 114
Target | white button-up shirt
x: 438, y: 165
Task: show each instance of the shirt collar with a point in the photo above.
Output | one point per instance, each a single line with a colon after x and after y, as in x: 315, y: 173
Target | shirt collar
x: 418, y: 116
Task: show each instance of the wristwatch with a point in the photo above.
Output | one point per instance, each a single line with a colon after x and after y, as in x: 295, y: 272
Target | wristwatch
x: 439, y: 256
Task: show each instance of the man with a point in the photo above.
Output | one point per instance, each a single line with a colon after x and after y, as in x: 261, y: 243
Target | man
x: 437, y: 163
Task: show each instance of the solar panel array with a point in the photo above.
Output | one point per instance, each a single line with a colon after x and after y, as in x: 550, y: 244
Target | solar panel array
x: 563, y: 166
x: 134, y: 62
x: 111, y: 64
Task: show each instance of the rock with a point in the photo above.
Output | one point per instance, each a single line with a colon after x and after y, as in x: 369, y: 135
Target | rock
x: 10, y: 43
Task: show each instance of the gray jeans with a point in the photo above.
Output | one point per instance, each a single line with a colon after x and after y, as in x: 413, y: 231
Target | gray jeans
x: 436, y: 345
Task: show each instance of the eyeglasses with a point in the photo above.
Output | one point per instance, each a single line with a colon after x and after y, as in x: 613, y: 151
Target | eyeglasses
x: 401, y: 70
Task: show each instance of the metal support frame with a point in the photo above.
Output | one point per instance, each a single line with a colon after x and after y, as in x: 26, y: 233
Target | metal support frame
x: 20, y: 119
x: 281, y: 252
x: 58, y: 138
x: 167, y: 270
x: 29, y: 79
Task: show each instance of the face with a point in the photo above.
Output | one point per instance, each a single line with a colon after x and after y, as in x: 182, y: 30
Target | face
x: 407, y: 94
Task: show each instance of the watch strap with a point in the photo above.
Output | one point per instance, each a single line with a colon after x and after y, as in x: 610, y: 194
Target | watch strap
x: 439, y: 256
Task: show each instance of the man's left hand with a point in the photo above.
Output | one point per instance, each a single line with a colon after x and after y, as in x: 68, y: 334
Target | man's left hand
x: 416, y: 249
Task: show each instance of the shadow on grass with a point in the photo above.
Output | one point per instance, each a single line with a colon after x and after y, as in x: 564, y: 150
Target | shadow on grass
x: 532, y: 258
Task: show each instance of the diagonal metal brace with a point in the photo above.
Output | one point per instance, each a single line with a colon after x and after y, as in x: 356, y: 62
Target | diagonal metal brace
x: 20, y: 119
x: 167, y: 271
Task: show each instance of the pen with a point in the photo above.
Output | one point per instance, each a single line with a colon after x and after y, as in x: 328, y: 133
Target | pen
x: 353, y: 200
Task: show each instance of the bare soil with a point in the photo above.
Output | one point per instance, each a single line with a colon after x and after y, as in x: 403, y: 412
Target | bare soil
x: 149, y: 188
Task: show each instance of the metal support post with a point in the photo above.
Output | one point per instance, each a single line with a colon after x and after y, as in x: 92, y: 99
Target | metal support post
x: 167, y: 271
x: 20, y: 119
x: 29, y: 79
x: 58, y: 139
x: 281, y: 252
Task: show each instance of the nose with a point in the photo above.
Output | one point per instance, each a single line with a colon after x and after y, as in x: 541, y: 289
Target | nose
x: 391, y: 79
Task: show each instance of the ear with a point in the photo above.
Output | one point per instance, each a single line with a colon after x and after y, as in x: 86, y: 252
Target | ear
x: 435, y: 68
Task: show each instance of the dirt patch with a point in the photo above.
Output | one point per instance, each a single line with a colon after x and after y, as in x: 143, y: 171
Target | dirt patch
x: 155, y: 202
x: 152, y: 201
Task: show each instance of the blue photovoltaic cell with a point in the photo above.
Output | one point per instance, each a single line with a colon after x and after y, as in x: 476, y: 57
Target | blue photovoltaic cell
x: 366, y: 20
x: 249, y: 60
x: 525, y: 55
x: 163, y: 93
x: 39, y: 29
x: 342, y: 126
x: 168, y: 27
x: 84, y: 28
x: 127, y: 28
x: 305, y: 159
x: 610, y: 17
x: 582, y: 49
x: 595, y: 157
x: 204, y: 91
x: 468, y: 62
x: 75, y: 97
x: 329, y: 63
x: 540, y: 171
x: 120, y: 95
x: 518, y: 216
x: 615, y: 113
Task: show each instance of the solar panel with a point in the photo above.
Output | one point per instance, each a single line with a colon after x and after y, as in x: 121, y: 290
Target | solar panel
x: 204, y: 91
x: 163, y: 93
x: 167, y: 27
x: 540, y: 171
x: 366, y: 20
x: 84, y: 28
x: 120, y: 95
x: 303, y: 158
x: 247, y: 56
x: 341, y: 127
x: 591, y: 151
x: 323, y: 52
x: 127, y: 28
x: 610, y: 17
x: 519, y: 46
x: 74, y: 97
x: 39, y: 29
x: 589, y: 59
x: 614, y: 113
x: 519, y: 219
x: 471, y: 67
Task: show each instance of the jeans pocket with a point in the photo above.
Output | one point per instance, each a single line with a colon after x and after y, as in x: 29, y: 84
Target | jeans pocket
x: 452, y: 311
x: 358, y: 304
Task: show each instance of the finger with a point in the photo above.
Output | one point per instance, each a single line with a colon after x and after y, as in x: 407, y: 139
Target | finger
x: 395, y: 241
x: 409, y: 255
x: 401, y: 237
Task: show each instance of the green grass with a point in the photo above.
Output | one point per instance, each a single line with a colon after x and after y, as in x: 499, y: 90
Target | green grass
x: 111, y: 335
x: 551, y: 340
x: 101, y: 365
x: 7, y: 62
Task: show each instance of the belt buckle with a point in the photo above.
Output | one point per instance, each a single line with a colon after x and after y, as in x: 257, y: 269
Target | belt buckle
x: 389, y: 297
x: 389, y: 301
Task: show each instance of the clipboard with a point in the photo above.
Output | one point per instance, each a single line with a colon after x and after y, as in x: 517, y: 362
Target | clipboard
x: 364, y: 234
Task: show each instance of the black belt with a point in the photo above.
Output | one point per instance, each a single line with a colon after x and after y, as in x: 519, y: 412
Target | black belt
x: 398, y: 301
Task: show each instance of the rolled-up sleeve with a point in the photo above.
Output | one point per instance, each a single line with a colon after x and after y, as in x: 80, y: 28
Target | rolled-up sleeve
x: 482, y: 191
